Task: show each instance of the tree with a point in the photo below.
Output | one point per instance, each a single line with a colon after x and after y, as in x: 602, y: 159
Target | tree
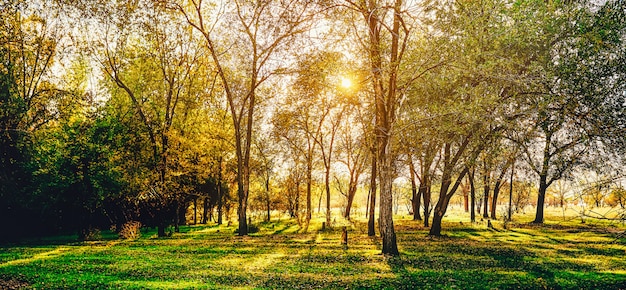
x: 262, y: 31
x: 581, y: 89
x: 266, y: 158
x: 617, y: 197
x: 29, y: 100
x: 473, y: 95
x: 76, y: 174
x: 154, y: 62
x: 352, y: 147
x: 384, y: 73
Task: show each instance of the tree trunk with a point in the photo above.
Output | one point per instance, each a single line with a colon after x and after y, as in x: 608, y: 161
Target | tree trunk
x: 371, y: 231
x: 435, y: 229
x: 440, y: 210
x: 268, y: 201
x: 205, y: 210
x: 494, y: 199
x: 195, y: 210
x: 351, y: 194
x: 541, y: 197
x: 387, y: 231
x: 242, y: 209
x: 297, y: 206
x: 161, y: 229
x: 472, y: 197
x: 220, y: 194
x: 309, y: 180
x: 416, y: 194
x: 177, y: 218
x: 511, y: 190
x: 416, y: 202
x: 486, y: 190
x: 327, y: 181
x: 465, y: 199
x: 425, y: 189
x: 445, y: 194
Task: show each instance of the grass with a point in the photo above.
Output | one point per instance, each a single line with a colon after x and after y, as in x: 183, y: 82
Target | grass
x: 563, y: 254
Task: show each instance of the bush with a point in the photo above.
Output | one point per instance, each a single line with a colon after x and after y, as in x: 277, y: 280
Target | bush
x: 130, y: 230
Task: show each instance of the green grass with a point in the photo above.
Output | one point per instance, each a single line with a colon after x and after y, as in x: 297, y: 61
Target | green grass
x: 564, y: 254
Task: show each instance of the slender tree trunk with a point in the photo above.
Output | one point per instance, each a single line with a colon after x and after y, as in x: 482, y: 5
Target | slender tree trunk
x: 486, y: 190
x: 195, y: 210
x: 205, y: 210
x: 425, y: 189
x: 242, y: 193
x: 465, y: 199
x: 416, y: 193
x: 309, y: 180
x: 416, y: 202
x: 177, y: 218
x: 371, y: 229
x: 327, y: 181
x: 297, y: 206
x: 268, y: 201
x: 511, y: 190
x: 220, y: 194
x: 472, y: 197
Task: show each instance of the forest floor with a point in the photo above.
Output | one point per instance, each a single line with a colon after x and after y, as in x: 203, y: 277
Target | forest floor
x: 562, y: 254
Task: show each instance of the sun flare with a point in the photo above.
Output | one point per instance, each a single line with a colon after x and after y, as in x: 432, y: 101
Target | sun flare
x: 346, y: 83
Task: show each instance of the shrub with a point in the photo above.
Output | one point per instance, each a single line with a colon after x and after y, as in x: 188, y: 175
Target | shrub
x: 130, y: 230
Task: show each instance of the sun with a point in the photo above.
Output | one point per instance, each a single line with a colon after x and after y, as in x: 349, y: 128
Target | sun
x: 346, y: 83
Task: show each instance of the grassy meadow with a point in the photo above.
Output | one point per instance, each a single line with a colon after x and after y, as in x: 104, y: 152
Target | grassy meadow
x: 563, y: 254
